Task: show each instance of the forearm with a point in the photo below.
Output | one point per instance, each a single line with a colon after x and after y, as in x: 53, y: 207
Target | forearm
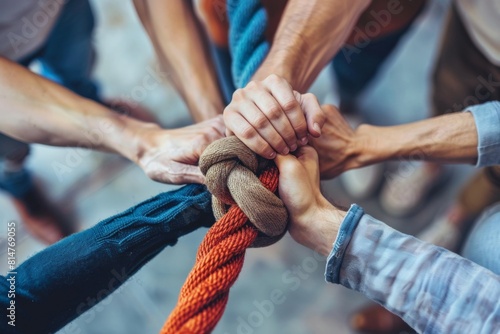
x: 36, y: 110
x: 432, y: 289
x: 308, y: 36
x: 65, y: 280
x: 183, y: 53
x: 445, y: 139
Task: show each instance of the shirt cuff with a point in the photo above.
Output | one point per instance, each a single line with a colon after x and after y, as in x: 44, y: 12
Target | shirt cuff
x: 346, y: 230
x: 487, y: 118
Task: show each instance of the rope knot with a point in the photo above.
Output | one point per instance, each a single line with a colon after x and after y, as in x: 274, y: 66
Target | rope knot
x: 230, y: 169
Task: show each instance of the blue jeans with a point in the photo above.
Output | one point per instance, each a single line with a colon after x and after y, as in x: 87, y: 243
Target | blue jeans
x: 482, y: 244
x: 63, y: 281
x: 67, y: 56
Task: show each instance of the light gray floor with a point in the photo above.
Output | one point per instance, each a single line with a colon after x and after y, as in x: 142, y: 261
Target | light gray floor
x: 101, y: 185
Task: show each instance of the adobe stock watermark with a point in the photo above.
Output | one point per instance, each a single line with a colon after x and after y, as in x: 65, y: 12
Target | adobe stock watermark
x: 293, y: 279
x: 35, y: 23
x: 363, y: 37
x: 153, y: 79
x: 482, y: 93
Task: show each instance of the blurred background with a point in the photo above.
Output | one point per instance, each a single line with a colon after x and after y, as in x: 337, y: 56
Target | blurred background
x: 100, y: 185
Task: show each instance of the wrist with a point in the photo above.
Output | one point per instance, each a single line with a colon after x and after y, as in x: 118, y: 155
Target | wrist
x: 319, y: 230
x: 128, y: 137
x: 369, y: 145
x: 330, y: 220
x: 287, y: 65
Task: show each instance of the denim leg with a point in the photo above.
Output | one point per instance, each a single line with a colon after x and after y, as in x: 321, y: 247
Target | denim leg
x: 355, y: 70
x: 68, y: 53
x: 56, y: 285
x: 482, y: 243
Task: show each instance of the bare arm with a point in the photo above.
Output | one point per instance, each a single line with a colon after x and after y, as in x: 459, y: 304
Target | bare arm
x: 34, y: 109
x: 39, y: 111
x: 183, y: 53
x: 447, y: 139
x: 309, y: 35
x: 450, y: 138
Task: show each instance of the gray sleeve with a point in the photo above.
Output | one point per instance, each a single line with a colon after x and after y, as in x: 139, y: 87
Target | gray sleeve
x: 487, y: 118
x: 431, y: 288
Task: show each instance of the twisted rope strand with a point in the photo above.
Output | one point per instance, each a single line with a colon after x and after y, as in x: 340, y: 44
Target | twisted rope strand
x: 219, y: 261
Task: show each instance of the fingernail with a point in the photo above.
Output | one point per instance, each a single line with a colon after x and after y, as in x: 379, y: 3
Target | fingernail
x: 285, y: 151
x: 317, y: 128
x: 272, y: 155
x: 294, y: 147
x: 304, y: 141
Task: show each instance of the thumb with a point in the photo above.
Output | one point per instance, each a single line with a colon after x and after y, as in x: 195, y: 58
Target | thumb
x: 315, y: 116
x: 286, y: 163
x: 180, y: 173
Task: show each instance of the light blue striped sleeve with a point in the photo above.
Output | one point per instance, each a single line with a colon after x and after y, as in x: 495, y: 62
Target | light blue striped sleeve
x: 487, y: 118
x: 431, y: 288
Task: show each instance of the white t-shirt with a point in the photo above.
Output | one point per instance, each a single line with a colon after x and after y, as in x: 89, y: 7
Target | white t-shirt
x: 25, y: 25
x: 482, y: 21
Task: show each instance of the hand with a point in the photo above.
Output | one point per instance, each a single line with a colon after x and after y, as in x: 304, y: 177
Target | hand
x: 337, y: 145
x: 171, y: 156
x: 314, y: 222
x: 270, y: 117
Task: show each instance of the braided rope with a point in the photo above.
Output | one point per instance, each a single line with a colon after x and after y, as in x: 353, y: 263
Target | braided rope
x: 220, y: 257
x: 247, y: 43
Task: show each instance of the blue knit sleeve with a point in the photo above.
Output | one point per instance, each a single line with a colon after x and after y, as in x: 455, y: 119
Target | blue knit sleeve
x: 54, y: 286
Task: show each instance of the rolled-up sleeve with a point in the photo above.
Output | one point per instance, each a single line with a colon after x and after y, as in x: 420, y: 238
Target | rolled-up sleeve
x: 487, y: 118
x: 431, y: 288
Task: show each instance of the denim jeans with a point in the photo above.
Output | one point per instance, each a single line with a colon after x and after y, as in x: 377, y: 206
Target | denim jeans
x: 53, y: 286
x: 67, y: 56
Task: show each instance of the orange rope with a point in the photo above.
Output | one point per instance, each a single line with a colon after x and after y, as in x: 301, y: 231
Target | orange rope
x: 204, y: 295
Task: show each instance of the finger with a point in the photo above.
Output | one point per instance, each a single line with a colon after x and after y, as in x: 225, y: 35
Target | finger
x: 329, y: 109
x: 249, y: 136
x: 287, y: 165
x: 268, y: 105
x: 186, y: 174
x: 219, y: 126
x: 263, y: 126
x: 315, y: 116
x: 308, y: 157
x: 284, y: 95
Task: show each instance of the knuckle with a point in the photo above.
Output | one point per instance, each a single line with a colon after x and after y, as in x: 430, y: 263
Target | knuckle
x: 280, y: 145
x: 227, y: 112
x: 247, y: 132
x: 260, y: 121
x: 301, y: 126
x: 265, y: 150
x: 238, y: 94
x: 311, y: 97
x: 290, y: 137
x: 290, y: 105
x: 252, y: 85
x: 273, y: 112
x: 273, y: 78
